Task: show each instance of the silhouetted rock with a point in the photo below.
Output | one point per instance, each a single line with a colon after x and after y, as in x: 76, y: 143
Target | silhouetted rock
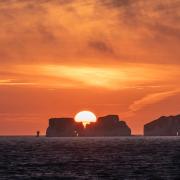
x: 63, y: 127
x: 108, y: 126
x: 164, y: 126
x: 105, y: 126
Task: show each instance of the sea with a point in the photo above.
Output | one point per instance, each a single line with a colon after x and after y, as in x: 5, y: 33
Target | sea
x: 96, y: 158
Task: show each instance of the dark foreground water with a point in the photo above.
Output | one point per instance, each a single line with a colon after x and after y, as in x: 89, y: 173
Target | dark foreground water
x: 89, y: 158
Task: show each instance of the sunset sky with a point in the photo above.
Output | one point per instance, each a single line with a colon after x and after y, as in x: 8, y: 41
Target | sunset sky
x: 58, y: 57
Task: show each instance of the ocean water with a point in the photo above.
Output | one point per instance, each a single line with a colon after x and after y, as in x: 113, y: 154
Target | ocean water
x: 90, y: 158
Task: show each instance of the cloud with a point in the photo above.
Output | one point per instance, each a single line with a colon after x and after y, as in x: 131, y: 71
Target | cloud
x: 13, y: 82
x: 117, y: 30
x: 101, y: 46
x: 153, y: 98
x: 114, y: 77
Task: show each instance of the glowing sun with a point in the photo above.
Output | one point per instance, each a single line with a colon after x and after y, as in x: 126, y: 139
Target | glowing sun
x: 86, y: 117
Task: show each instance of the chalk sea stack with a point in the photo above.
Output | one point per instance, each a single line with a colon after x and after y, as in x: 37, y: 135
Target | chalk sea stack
x: 105, y: 126
x: 164, y: 126
x: 108, y: 126
x: 63, y: 127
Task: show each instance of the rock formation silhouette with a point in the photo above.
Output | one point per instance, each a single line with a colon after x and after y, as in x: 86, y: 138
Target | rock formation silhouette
x: 105, y: 126
x: 109, y: 125
x: 164, y: 126
x: 63, y: 127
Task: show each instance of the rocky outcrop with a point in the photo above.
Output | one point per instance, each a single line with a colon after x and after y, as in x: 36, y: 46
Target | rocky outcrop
x: 164, y: 126
x: 63, y: 127
x: 105, y: 126
x: 108, y: 126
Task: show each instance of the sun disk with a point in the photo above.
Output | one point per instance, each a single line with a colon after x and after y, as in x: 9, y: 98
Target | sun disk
x: 86, y: 117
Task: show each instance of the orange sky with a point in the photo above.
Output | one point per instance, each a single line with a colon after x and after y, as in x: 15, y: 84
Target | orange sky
x: 58, y: 57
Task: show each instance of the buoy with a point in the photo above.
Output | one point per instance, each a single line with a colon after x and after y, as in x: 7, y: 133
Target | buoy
x: 37, y: 133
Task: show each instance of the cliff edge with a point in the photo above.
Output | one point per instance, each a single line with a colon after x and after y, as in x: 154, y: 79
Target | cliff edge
x: 164, y: 126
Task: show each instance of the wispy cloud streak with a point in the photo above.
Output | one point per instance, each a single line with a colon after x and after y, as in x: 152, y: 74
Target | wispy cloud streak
x: 151, y: 99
